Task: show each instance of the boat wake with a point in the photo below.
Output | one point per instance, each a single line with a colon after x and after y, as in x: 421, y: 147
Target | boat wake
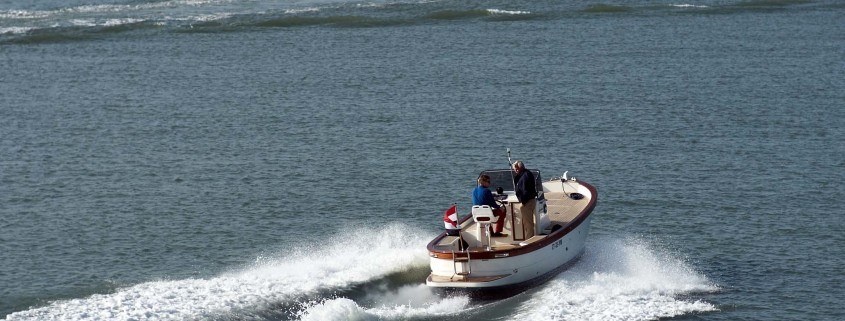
x: 619, y: 279
x: 273, y: 287
x: 410, y: 302
x: 615, y: 279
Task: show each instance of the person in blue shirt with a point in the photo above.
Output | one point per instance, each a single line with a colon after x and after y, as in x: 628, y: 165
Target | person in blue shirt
x: 481, y: 195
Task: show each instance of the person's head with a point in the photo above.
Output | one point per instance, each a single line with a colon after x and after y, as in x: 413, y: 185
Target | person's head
x: 518, y: 167
x: 484, y: 180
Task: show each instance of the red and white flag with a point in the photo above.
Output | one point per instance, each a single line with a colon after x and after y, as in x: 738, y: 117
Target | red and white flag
x: 450, y: 218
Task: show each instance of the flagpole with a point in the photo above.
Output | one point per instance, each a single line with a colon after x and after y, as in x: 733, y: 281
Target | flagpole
x: 460, y: 229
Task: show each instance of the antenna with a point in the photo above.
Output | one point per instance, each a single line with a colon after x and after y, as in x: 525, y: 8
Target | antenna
x: 510, y: 168
x: 510, y: 163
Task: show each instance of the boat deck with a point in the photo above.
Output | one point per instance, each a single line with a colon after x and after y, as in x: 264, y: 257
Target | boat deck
x: 561, y: 210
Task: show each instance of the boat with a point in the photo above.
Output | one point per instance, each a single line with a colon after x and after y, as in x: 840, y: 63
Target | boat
x: 472, y: 260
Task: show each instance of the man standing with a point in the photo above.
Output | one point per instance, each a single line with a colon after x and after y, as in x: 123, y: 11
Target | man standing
x: 526, y: 192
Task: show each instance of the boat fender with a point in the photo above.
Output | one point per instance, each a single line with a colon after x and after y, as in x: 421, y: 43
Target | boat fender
x: 576, y: 196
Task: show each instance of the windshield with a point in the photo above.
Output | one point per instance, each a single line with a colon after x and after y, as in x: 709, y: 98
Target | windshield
x: 504, y: 178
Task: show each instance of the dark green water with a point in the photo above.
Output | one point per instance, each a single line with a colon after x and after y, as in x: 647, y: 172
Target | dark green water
x: 185, y: 160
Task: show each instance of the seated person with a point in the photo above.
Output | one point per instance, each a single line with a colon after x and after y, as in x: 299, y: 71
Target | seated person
x: 481, y: 195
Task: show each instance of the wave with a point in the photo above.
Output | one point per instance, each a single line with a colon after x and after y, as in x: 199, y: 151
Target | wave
x: 63, y: 24
x: 23, y: 14
x: 620, y: 279
x: 752, y: 6
x: 343, y: 21
x: 81, y: 30
x: 189, y: 16
x: 108, y: 8
x: 686, y: 5
x: 492, y: 14
x: 15, y: 30
x: 266, y: 286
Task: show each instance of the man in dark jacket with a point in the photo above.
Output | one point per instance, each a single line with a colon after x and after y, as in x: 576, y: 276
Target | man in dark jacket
x: 526, y: 192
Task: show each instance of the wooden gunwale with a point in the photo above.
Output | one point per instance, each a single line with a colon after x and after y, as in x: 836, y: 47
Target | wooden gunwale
x: 499, y: 254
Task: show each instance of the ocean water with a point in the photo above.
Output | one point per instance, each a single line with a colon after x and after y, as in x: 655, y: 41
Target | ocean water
x: 289, y: 160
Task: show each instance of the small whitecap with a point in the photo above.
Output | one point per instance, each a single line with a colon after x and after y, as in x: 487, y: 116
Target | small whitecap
x: 506, y: 12
x: 118, y: 22
x: 83, y: 22
x: 209, y: 17
x: 23, y: 14
x: 14, y: 30
x: 302, y: 10
x: 91, y: 8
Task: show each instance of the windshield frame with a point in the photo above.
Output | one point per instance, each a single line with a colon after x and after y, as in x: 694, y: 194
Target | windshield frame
x: 504, y: 178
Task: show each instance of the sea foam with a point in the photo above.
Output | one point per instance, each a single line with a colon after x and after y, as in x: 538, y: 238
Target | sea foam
x: 619, y: 280
x: 342, y: 262
x: 408, y: 302
x: 685, y: 5
x: 615, y: 279
x: 506, y: 12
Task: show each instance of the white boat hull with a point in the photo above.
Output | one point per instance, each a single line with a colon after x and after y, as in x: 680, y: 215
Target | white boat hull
x: 516, y: 270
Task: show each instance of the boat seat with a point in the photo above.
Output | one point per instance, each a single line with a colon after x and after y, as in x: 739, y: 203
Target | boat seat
x: 482, y: 214
x: 483, y: 217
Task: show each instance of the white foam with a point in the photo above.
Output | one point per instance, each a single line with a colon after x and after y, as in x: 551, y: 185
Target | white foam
x: 104, y: 23
x: 210, y: 17
x: 342, y: 262
x: 83, y: 22
x: 619, y: 280
x: 408, y: 302
x: 507, y: 12
x: 15, y: 30
x: 155, y: 5
x: 689, y: 6
x: 123, y: 21
x: 302, y: 10
x: 197, y: 18
x: 106, y: 8
x: 23, y: 14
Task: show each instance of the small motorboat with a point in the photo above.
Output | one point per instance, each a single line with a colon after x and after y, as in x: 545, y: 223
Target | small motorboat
x: 475, y: 261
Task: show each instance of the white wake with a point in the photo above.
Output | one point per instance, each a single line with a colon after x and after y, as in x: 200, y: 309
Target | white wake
x: 619, y: 280
x: 344, y: 261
